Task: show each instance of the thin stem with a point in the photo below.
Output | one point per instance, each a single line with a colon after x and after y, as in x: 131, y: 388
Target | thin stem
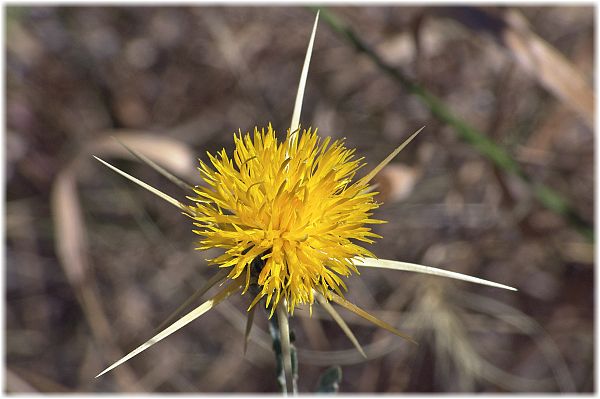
x: 275, y: 330
x: 284, y: 329
x: 275, y: 336
x: 294, y: 359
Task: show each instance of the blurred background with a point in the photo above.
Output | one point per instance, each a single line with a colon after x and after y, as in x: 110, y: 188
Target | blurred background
x: 95, y: 263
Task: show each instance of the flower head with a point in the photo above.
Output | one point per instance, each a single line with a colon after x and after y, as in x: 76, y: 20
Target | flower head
x: 290, y: 217
x: 291, y: 205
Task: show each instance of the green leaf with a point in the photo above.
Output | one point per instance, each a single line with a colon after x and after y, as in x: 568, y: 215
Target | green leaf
x: 329, y: 381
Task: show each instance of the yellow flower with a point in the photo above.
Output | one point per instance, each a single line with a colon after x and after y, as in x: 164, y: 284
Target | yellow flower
x: 292, y: 209
x: 289, y: 217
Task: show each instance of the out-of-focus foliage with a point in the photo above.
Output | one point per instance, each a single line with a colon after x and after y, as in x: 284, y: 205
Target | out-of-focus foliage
x: 181, y: 81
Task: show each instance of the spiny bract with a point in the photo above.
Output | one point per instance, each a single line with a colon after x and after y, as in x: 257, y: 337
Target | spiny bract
x: 291, y: 204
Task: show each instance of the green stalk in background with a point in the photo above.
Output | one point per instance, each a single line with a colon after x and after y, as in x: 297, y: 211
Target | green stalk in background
x: 544, y: 194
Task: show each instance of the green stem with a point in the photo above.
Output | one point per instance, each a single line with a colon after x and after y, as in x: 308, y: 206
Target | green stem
x: 498, y: 156
x: 276, y: 338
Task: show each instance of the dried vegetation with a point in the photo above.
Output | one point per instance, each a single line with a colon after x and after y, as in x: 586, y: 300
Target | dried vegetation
x: 95, y: 264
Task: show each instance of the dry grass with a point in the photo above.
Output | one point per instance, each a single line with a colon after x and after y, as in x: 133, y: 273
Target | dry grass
x: 95, y: 264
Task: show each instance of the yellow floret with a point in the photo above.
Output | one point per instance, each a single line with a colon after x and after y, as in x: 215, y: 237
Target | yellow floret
x: 290, y: 206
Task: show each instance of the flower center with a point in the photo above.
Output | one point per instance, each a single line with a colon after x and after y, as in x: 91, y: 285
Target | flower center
x: 291, y: 207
